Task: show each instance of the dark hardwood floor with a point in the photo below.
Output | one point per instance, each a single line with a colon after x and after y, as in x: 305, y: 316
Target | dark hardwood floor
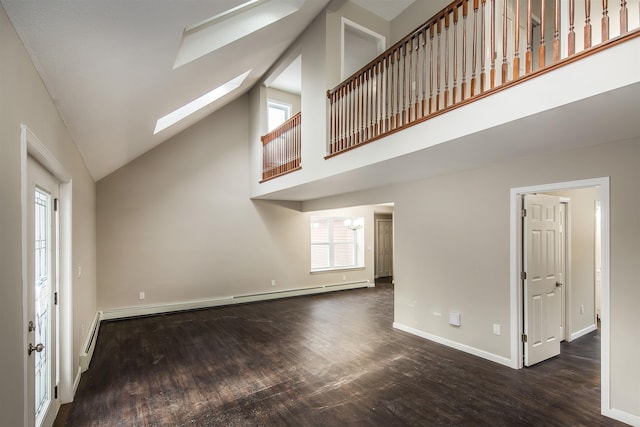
x: 325, y: 360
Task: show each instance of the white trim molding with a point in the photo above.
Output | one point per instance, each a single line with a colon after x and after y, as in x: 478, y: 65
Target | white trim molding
x: 30, y: 145
x: 454, y: 344
x: 122, y: 313
x: 583, y: 332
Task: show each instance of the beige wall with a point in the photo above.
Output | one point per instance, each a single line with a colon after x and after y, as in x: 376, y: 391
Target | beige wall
x: 285, y: 97
x: 582, y: 248
x: 25, y: 100
x: 452, y: 252
x: 178, y: 224
x: 452, y: 248
x: 414, y: 16
x: 355, y: 14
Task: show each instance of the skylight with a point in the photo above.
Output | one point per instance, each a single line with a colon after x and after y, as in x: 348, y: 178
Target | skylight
x: 199, y: 103
x: 218, y: 31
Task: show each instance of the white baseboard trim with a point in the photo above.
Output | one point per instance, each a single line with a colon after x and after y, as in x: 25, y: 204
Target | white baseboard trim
x: 453, y: 344
x: 625, y: 417
x: 583, y: 332
x: 90, y: 342
x: 122, y: 313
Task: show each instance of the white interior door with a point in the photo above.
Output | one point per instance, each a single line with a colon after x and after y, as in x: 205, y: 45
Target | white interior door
x: 541, y: 263
x: 384, y: 248
x: 42, y: 286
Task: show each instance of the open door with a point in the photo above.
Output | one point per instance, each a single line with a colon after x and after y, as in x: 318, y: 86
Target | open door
x: 541, y: 265
x: 384, y: 247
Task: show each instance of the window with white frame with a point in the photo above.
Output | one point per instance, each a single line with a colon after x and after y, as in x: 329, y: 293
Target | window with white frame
x: 336, y: 243
x: 278, y: 113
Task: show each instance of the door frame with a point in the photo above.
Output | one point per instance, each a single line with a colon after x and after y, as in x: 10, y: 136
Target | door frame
x: 566, y: 303
x: 516, y: 309
x: 30, y: 145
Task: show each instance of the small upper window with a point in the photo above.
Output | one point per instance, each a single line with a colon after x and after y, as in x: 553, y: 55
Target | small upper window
x: 278, y: 113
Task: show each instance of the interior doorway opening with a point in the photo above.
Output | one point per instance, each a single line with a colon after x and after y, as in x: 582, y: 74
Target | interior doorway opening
x: 581, y: 315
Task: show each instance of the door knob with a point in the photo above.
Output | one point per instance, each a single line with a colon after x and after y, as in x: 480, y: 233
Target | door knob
x: 38, y: 348
x: 558, y: 284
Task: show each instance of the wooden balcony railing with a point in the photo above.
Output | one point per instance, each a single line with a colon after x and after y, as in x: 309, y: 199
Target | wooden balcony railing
x: 468, y: 50
x: 281, y: 149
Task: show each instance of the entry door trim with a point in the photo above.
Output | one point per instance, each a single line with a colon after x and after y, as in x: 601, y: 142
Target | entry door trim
x: 516, y: 291
x: 30, y: 145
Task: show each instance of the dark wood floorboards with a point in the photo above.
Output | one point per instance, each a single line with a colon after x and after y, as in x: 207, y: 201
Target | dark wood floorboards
x: 325, y: 360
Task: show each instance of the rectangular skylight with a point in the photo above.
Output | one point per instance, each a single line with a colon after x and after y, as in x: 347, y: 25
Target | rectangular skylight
x: 216, y: 32
x: 199, y: 103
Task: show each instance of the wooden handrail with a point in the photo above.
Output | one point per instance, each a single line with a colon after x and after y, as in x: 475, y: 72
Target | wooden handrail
x: 281, y: 149
x: 420, y: 75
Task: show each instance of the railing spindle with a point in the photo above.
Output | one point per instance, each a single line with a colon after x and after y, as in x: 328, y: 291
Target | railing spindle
x: 483, y: 43
x: 624, y: 18
x: 392, y: 120
x: 465, y: 12
x: 414, y: 88
x: 516, y: 42
x: 455, y: 55
x: 505, y: 64
x: 541, y: 50
x: 556, y: 33
x: 424, y: 73
x: 572, y: 34
x: 474, y: 59
x: 388, y: 95
x: 493, y: 44
x: 605, y: 20
x: 529, y: 54
x: 399, y: 99
x: 446, y: 59
x: 404, y: 85
x: 438, y: 66
x: 587, y: 24
x: 431, y: 31
x: 410, y: 88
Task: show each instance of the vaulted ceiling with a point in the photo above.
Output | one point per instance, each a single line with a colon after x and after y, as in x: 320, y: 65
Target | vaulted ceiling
x: 114, y: 67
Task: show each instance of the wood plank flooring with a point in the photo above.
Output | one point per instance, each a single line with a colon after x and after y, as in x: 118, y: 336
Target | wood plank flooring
x: 325, y: 360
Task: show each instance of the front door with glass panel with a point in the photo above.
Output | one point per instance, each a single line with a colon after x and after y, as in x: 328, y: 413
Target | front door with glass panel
x: 42, y: 283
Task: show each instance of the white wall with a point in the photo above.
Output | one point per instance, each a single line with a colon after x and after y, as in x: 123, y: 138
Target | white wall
x: 25, y: 100
x: 178, y: 224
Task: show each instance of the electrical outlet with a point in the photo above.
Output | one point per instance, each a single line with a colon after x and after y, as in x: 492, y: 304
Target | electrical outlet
x: 273, y: 282
x: 344, y: 277
x: 141, y: 296
x: 581, y: 308
x: 496, y: 329
x: 79, y: 272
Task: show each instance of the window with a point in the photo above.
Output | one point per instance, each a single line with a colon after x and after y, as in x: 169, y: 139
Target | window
x: 336, y: 242
x: 278, y: 113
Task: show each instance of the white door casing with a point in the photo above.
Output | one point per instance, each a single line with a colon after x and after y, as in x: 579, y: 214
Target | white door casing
x: 541, y: 263
x: 42, y: 283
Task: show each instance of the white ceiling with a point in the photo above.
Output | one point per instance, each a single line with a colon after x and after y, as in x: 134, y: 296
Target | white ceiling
x: 109, y: 64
